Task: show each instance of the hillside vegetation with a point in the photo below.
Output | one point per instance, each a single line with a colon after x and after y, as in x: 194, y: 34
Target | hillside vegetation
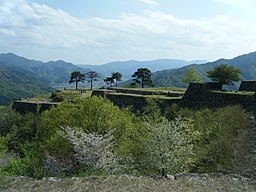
x: 17, y: 83
x: 91, y: 136
x: 246, y: 63
x: 54, y: 72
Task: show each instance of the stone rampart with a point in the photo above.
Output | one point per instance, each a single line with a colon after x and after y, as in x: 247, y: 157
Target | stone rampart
x: 138, y: 102
x: 200, y: 95
x: 247, y: 86
x: 32, y: 107
x: 148, y: 92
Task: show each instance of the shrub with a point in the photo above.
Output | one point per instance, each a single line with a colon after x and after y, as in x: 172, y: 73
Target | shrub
x: 217, y: 135
x: 169, y: 147
x: 93, y: 151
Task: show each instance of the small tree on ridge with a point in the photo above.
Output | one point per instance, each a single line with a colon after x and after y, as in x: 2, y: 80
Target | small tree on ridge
x: 142, y: 76
x: 225, y: 74
x: 76, y: 77
x: 92, y: 76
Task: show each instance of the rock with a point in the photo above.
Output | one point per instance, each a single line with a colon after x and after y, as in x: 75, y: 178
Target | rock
x: 54, y: 179
x: 170, y: 177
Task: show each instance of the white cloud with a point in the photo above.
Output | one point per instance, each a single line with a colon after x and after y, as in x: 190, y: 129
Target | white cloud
x: 43, y: 32
x: 150, y: 2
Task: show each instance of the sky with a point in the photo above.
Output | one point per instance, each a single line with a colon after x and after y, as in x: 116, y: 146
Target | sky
x: 101, y: 31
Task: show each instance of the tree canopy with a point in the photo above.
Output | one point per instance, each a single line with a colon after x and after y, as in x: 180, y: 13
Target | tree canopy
x: 92, y: 76
x: 116, y: 76
x: 142, y: 76
x: 225, y: 74
x: 76, y: 77
x: 109, y: 81
x: 191, y: 76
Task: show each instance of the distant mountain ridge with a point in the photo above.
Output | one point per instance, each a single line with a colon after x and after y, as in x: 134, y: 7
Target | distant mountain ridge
x: 127, y: 68
x: 246, y: 63
x: 53, y: 71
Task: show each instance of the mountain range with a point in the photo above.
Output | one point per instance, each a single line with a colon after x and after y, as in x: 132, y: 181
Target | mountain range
x: 127, y: 68
x: 246, y: 63
x: 22, y: 77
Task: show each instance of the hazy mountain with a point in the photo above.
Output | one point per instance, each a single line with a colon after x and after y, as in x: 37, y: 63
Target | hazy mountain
x: 55, y: 72
x: 127, y: 68
x: 246, y: 63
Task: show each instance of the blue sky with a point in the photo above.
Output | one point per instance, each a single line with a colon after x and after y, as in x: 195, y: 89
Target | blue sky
x: 100, y: 31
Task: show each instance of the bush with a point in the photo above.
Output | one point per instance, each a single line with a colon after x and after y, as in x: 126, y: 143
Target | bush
x: 8, y: 120
x: 217, y: 135
x: 93, y: 115
x: 94, y: 152
x: 169, y: 147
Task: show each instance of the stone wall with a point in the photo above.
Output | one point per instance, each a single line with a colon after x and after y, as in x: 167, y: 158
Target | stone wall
x: 139, y: 102
x: 247, y: 86
x: 147, y: 92
x: 200, y: 95
x: 32, y: 107
x: 102, y: 92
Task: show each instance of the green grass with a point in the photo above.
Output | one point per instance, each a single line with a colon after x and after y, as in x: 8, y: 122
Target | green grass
x: 146, y: 96
x: 166, y: 89
x: 234, y: 92
x: 157, y: 89
x: 71, y: 94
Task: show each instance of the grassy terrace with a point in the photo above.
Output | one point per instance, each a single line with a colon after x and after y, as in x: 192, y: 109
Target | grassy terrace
x: 70, y: 94
x: 174, y: 89
x: 146, y: 96
x: 234, y: 92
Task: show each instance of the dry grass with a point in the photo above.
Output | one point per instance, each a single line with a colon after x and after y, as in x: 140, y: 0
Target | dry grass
x: 126, y: 183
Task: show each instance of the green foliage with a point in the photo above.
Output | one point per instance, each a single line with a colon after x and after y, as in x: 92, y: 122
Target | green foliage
x: 217, y: 134
x: 56, y: 96
x: 142, y: 76
x: 191, y: 76
x: 151, y: 112
x: 17, y: 83
x: 8, y: 120
x: 76, y: 77
x: 93, y: 114
x: 22, y: 132
x: 27, y: 165
x: 169, y: 147
x: 224, y: 74
x: 141, y: 143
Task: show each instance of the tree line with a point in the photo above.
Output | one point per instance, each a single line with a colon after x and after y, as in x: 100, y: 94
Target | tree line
x: 141, y: 76
x: 223, y: 74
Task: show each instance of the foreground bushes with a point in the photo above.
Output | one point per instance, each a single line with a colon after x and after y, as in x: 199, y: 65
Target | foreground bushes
x: 92, y: 136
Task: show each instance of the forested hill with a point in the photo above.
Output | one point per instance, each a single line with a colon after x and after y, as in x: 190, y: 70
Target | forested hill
x: 19, y: 83
x: 246, y: 63
x: 54, y: 72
